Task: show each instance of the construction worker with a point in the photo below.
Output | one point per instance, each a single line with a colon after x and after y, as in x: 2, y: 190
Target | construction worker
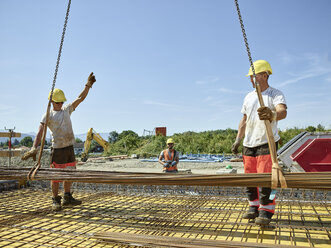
x: 256, y: 154
x: 169, y: 158
x: 63, y: 139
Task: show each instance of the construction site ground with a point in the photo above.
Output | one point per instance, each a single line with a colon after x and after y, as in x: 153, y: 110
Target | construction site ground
x: 159, y: 216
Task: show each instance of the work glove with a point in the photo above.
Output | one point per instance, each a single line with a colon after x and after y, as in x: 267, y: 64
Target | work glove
x: 266, y: 113
x: 173, y: 163
x: 30, y: 154
x: 90, y: 81
x: 166, y: 165
x: 235, y: 145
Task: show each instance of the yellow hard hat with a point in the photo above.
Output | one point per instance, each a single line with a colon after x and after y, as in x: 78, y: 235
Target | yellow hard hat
x: 260, y: 66
x: 170, y: 140
x: 58, y: 96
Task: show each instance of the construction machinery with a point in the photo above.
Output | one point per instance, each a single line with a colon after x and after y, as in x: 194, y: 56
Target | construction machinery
x: 92, y: 135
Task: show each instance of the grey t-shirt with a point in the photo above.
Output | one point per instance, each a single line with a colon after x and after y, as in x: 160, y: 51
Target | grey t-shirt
x: 59, y: 123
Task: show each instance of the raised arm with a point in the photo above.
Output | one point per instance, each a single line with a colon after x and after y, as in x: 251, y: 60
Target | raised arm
x: 90, y: 81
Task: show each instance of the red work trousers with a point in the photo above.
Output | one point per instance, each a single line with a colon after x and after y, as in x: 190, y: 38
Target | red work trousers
x: 258, y: 160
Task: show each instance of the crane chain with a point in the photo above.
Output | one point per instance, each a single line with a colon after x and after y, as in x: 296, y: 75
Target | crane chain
x: 60, y: 49
x: 36, y: 167
x: 245, y: 37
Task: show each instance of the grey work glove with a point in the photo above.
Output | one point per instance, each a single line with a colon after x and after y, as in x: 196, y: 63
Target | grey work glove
x: 166, y: 165
x: 266, y: 113
x: 32, y: 153
x: 236, y: 145
x: 90, y: 81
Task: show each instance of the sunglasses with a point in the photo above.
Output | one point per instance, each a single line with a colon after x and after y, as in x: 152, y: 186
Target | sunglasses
x: 58, y: 102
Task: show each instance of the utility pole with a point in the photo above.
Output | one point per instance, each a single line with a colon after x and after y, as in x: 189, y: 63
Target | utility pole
x: 11, y: 131
x: 9, y: 154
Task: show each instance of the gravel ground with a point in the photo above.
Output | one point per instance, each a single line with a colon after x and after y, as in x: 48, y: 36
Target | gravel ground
x: 131, y: 165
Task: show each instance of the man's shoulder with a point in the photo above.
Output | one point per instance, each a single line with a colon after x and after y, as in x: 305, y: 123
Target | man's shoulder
x: 67, y: 106
x: 250, y: 95
x: 274, y: 92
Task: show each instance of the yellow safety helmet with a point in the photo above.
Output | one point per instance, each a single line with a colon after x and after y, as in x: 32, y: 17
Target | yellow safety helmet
x: 170, y: 141
x: 58, y: 96
x: 260, y: 66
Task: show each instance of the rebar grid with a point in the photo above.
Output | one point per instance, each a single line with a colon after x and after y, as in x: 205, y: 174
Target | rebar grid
x: 302, y: 218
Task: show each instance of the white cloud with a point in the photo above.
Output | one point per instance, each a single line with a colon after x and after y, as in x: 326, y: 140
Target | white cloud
x: 7, y: 110
x: 328, y: 79
x: 225, y: 90
x: 208, y: 80
x: 167, y: 105
x: 178, y: 107
x: 313, y: 65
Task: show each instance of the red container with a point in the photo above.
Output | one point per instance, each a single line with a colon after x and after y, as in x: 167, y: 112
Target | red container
x: 161, y: 131
x: 314, y: 155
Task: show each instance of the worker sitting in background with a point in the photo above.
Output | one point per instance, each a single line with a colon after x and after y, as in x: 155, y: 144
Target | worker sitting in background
x: 169, y: 158
x: 256, y: 154
x: 63, y: 139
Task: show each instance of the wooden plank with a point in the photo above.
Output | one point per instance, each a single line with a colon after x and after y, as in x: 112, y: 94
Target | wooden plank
x: 14, y: 153
x: 7, y: 134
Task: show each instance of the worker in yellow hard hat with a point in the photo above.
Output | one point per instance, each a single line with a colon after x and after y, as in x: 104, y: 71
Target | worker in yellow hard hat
x: 63, y: 139
x: 169, y: 158
x: 256, y: 154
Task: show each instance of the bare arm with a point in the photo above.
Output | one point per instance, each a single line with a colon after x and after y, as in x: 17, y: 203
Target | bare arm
x: 242, y: 128
x: 39, y: 135
x: 91, y: 79
x: 281, y: 111
x: 160, y: 160
x: 177, y: 160
x: 240, y: 134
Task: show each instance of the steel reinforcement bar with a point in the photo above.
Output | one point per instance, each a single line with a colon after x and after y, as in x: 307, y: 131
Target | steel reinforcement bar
x: 312, y: 180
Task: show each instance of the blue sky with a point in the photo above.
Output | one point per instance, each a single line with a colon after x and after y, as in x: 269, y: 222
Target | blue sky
x: 179, y: 64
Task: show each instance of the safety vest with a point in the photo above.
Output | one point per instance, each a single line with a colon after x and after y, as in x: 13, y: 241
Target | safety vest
x: 169, y: 159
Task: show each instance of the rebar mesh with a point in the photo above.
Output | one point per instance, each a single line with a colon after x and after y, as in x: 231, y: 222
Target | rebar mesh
x: 302, y: 217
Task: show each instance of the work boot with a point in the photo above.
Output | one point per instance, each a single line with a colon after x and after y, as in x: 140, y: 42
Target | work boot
x: 264, y: 218
x: 68, y: 200
x: 56, y: 206
x: 252, y: 213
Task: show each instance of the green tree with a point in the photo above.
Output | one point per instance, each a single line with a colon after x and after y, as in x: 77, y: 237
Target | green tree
x: 26, y: 141
x: 78, y: 140
x: 311, y: 129
x: 113, y: 137
x: 320, y: 128
x: 127, y: 133
x: 16, y: 142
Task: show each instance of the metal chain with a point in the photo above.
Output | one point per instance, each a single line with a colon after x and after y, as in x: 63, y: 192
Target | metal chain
x: 34, y: 169
x: 60, y: 49
x: 245, y: 38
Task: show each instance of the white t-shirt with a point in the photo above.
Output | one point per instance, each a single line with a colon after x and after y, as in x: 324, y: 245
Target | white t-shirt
x: 59, y: 123
x: 255, y: 133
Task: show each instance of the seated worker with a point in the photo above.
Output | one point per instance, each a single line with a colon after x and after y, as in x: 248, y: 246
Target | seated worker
x: 169, y: 158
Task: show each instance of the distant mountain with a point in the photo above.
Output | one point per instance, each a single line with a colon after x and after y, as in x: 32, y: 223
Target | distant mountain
x: 83, y: 136
x: 23, y: 135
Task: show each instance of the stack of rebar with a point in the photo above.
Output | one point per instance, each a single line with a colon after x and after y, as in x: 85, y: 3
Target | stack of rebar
x: 312, y: 180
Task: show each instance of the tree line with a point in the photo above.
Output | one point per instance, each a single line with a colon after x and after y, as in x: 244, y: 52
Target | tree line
x: 206, y: 142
